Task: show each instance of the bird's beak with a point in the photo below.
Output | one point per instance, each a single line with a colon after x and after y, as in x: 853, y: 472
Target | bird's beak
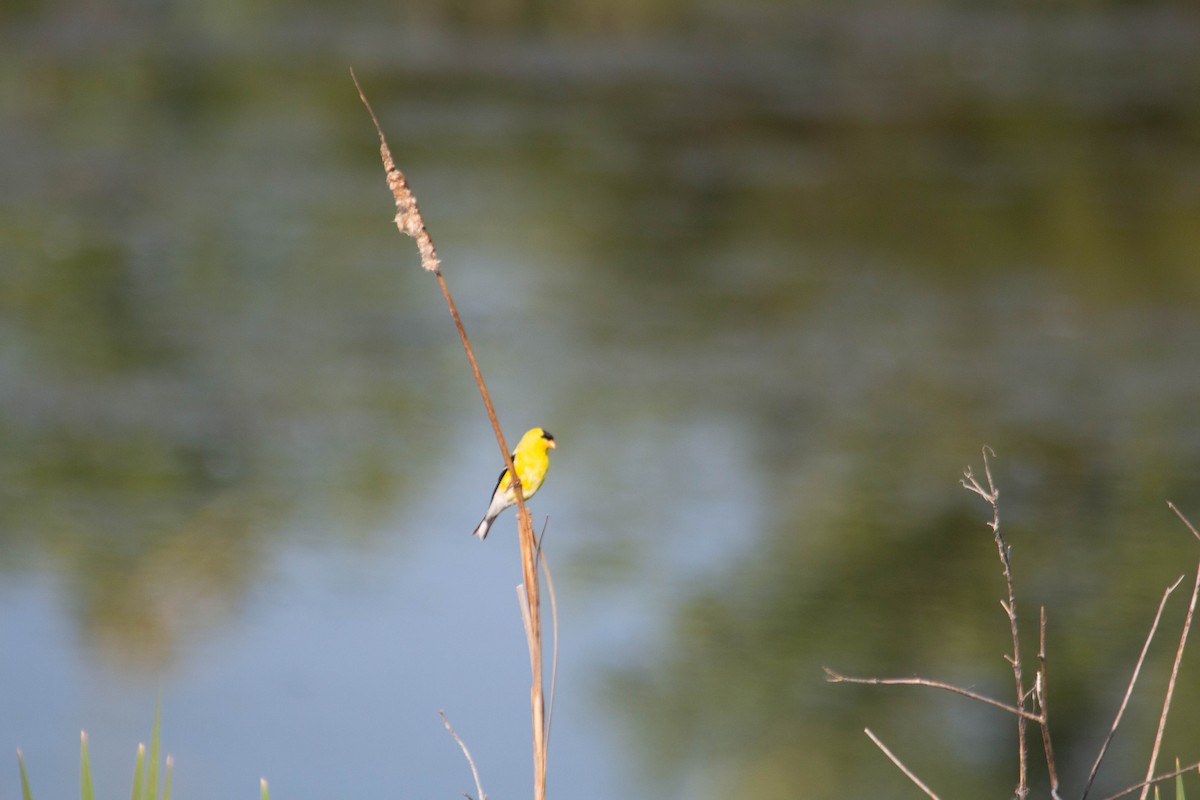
x: 550, y: 444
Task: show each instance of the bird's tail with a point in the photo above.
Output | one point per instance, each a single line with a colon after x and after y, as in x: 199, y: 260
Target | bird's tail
x: 482, y: 530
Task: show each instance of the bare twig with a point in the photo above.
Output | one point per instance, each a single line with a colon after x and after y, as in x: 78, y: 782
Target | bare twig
x: 970, y: 483
x: 466, y: 752
x: 409, y: 221
x: 837, y: 677
x: 900, y: 765
x: 1156, y: 779
x: 1041, y: 693
x: 1162, y: 720
x: 992, y: 496
x: 1179, y: 514
x: 1129, y: 691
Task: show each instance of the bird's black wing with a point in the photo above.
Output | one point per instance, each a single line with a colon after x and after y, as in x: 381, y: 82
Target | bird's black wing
x: 503, y: 472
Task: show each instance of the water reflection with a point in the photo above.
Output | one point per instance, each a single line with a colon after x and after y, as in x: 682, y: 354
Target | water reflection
x: 772, y: 276
x: 870, y: 560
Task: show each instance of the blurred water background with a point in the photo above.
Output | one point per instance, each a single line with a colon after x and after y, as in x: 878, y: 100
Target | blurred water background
x: 771, y: 272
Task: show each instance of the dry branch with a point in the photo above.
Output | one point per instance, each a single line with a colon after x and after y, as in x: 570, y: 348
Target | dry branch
x: 836, y: 677
x: 900, y: 764
x: 1041, y: 691
x: 992, y: 496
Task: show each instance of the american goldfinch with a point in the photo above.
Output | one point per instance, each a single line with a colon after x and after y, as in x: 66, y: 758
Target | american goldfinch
x: 531, y: 459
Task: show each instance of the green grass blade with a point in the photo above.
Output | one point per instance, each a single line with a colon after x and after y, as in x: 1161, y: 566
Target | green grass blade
x: 167, y: 779
x: 1179, y: 783
x: 262, y: 785
x: 25, y: 793
x: 85, y: 770
x: 139, y: 772
x: 151, y: 790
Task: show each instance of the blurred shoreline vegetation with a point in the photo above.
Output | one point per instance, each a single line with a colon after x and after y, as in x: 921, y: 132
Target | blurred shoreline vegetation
x: 1017, y: 134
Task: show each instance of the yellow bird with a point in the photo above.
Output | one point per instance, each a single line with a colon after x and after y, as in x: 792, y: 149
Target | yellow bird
x: 531, y: 459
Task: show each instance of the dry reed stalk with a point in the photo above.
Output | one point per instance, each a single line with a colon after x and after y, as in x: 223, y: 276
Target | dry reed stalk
x: 554, y: 630
x: 1162, y: 720
x: 409, y: 222
x: 1137, y: 669
x: 1184, y: 519
x: 466, y: 752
